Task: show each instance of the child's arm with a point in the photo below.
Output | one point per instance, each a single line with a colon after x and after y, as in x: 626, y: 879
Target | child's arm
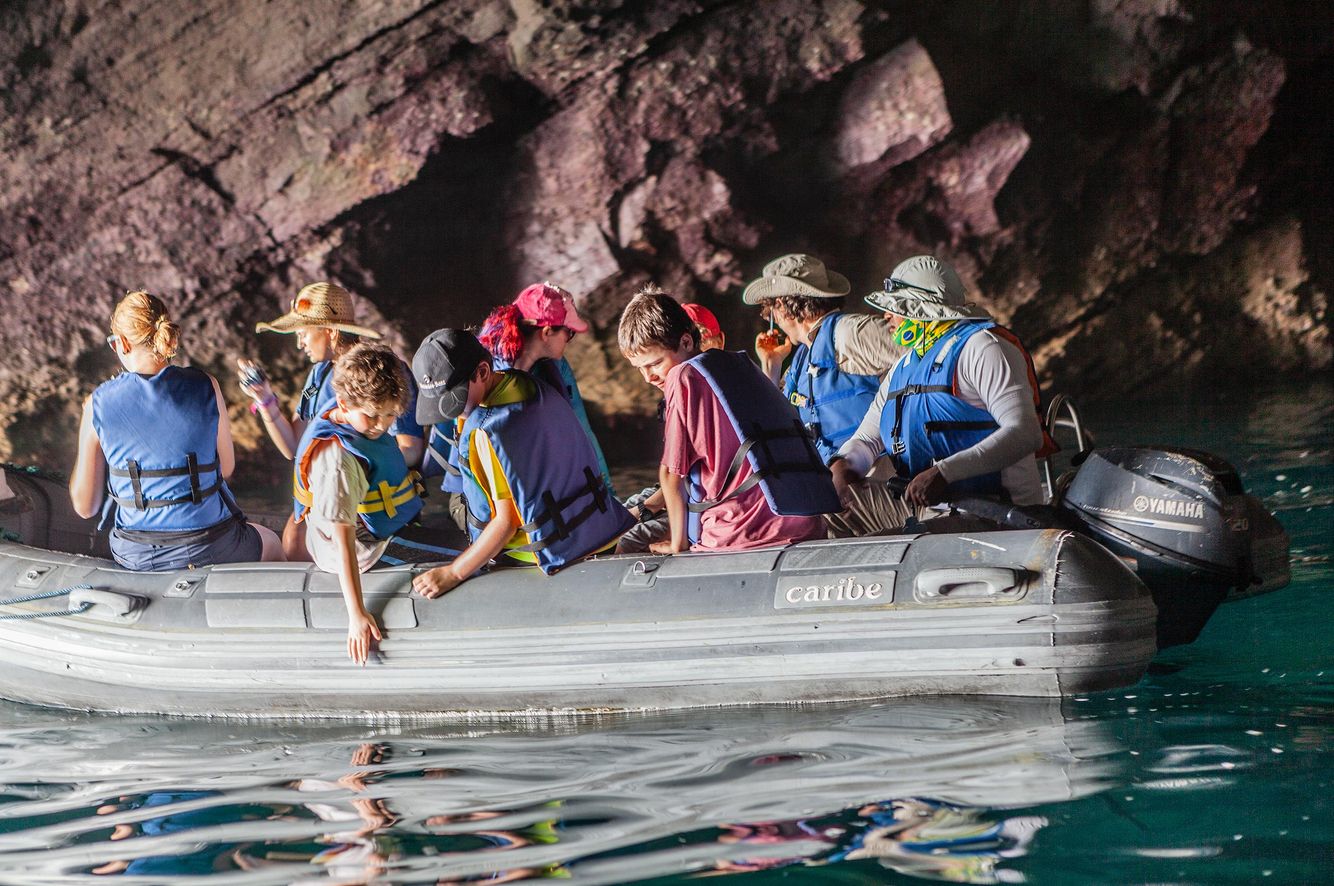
x: 491, y: 542
x: 361, y: 626
x: 412, y: 448
x: 673, y: 493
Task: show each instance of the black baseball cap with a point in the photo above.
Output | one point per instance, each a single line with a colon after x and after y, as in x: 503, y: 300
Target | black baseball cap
x: 442, y: 366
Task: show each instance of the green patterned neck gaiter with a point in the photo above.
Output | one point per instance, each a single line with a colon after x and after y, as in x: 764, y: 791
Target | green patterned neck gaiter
x: 921, y: 336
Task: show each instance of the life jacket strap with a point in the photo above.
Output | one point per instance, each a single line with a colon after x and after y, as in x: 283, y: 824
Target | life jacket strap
x: 553, y: 511
x: 474, y: 522
x: 769, y: 465
x: 138, y: 486
x: 438, y: 444
x: 389, y: 498
x: 441, y: 460
x: 897, y: 446
x: 192, y: 466
x: 918, y: 389
x: 135, y: 474
x: 935, y: 427
x: 132, y: 469
x: 310, y: 391
x: 145, y: 504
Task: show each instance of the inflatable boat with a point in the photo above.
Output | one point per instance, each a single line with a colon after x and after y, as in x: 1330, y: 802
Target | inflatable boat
x: 1044, y: 612
x: 1138, y: 548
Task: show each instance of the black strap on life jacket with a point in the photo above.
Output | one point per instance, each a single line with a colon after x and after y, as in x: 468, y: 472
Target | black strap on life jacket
x: 936, y: 427
x: 439, y: 457
x: 474, y: 522
x: 769, y: 465
x: 554, y: 508
x: 309, y: 392
x: 899, y: 396
x: 192, y: 469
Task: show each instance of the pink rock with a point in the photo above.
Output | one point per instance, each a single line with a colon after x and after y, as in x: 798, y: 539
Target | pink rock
x: 891, y: 111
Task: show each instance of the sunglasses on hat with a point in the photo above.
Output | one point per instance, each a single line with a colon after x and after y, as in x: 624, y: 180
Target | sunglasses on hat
x: 893, y: 284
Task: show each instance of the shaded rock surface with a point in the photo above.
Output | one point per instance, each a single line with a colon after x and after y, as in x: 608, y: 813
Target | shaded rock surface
x: 1136, y: 186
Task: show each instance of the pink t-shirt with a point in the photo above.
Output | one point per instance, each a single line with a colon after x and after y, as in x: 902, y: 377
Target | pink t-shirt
x: 697, y: 432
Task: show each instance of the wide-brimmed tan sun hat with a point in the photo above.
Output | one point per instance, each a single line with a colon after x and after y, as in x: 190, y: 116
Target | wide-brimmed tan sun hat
x: 796, y: 274
x: 324, y: 305
x: 925, y: 288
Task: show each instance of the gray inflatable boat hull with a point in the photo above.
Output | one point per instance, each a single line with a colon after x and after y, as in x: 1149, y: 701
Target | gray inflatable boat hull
x: 1029, y: 613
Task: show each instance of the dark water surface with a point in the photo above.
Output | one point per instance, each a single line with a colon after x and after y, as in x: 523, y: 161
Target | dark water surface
x: 1215, y: 769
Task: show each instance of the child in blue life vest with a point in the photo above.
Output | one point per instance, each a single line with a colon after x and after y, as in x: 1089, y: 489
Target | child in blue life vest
x: 157, y: 436
x: 738, y: 470
x: 351, y: 487
x: 323, y: 319
x: 531, y: 478
x: 531, y: 334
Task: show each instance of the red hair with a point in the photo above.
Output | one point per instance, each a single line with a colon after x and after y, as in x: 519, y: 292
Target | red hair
x: 502, y: 334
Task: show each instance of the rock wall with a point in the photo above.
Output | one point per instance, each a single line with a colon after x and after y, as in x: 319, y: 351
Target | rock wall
x: 1137, y: 186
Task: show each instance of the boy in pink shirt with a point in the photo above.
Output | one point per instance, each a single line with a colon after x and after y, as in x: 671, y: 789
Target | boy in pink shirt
x: 700, y: 462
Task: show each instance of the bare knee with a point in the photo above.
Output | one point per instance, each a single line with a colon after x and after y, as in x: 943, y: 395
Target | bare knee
x: 294, y: 542
x: 271, y: 546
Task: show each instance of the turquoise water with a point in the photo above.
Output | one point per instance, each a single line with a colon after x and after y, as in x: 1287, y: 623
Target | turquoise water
x: 1214, y: 769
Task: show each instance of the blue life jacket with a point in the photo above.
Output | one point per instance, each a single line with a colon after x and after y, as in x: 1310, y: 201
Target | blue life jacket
x: 924, y: 422
x: 560, y: 376
x: 159, y: 434
x: 783, y: 459
x: 317, y: 395
x: 566, y: 508
x: 391, y: 502
x: 831, y: 403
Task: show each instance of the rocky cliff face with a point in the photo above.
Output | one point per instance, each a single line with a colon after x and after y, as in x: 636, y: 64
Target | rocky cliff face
x: 1139, y: 187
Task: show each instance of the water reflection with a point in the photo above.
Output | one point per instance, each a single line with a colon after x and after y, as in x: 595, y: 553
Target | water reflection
x: 940, y: 841
x: 915, y: 783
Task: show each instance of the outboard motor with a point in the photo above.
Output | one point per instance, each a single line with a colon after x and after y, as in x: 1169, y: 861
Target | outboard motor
x: 1181, y: 520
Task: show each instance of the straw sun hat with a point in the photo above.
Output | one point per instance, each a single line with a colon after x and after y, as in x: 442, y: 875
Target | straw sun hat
x: 323, y: 305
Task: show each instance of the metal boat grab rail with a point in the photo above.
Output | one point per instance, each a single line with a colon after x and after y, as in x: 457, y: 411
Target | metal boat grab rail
x: 1061, y: 415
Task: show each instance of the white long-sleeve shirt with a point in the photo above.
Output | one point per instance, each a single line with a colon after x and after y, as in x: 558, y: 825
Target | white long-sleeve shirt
x: 992, y: 375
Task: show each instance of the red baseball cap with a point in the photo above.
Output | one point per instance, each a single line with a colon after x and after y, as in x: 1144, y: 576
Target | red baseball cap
x: 704, y: 319
x: 546, y: 304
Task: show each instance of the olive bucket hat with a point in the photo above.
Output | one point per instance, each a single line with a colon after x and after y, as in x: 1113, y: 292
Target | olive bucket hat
x: 325, y: 305
x: 796, y: 274
x: 925, y: 288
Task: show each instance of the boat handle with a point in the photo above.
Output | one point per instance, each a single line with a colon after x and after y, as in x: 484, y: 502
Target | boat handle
x: 641, y: 575
x: 106, y: 604
x: 967, y: 583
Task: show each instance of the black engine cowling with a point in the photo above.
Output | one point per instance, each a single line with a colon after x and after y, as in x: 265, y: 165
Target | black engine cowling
x: 1181, y: 518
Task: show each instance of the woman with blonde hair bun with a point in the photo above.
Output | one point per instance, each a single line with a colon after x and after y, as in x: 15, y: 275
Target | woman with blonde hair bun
x: 158, y: 436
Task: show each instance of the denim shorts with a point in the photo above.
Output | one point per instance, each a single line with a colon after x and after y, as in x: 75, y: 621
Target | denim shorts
x: 238, y: 542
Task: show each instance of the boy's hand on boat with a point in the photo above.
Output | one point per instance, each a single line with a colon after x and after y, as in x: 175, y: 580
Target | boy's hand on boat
x: 666, y: 547
x: 927, y: 488
x: 437, y: 581
x: 360, y: 629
